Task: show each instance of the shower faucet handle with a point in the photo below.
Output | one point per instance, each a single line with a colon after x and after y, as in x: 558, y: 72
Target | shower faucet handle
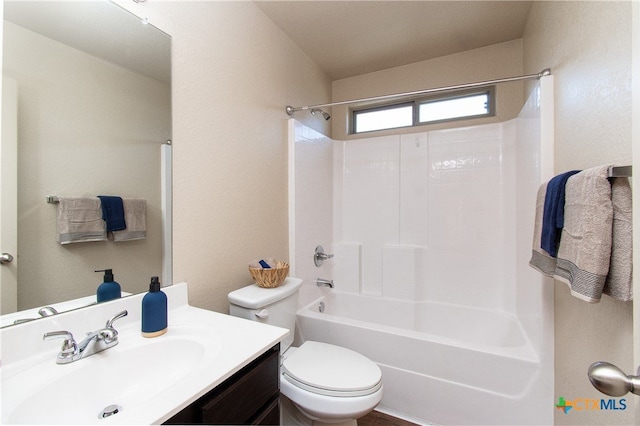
x: 320, y: 256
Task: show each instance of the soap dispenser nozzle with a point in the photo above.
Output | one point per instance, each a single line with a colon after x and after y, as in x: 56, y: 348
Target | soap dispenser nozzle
x: 154, y: 286
x: 108, y: 274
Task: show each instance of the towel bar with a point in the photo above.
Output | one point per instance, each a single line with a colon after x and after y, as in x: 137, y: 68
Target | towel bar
x: 620, y: 171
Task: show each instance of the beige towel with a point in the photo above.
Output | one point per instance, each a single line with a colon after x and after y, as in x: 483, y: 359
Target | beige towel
x: 585, y: 245
x: 135, y: 216
x: 619, y: 280
x: 540, y: 259
x: 80, y: 220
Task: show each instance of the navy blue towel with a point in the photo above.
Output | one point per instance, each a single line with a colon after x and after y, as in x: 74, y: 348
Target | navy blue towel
x: 113, y: 212
x: 553, y: 214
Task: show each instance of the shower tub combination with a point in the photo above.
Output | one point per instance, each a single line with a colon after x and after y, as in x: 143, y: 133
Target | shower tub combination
x: 435, y: 287
x: 441, y: 362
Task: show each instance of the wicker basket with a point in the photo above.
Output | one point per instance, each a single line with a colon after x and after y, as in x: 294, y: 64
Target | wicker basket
x: 270, y: 278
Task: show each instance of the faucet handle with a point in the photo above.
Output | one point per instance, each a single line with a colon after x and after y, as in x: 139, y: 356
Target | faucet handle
x: 320, y: 256
x: 116, y: 317
x: 47, y: 311
x: 108, y: 335
x: 69, y: 346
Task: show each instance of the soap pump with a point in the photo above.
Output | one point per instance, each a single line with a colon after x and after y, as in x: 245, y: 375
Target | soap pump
x: 109, y: 289
x: 154, y: 310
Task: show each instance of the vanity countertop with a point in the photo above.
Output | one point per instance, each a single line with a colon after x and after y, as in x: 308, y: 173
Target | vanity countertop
x: 200, y: 350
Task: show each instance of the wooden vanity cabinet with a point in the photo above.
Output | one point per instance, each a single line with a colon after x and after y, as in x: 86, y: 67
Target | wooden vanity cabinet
x: 249, y: 397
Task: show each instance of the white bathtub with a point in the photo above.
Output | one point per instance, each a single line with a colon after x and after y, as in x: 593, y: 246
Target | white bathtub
x: 441, y: 363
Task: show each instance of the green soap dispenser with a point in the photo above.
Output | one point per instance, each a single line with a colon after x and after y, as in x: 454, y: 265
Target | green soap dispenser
x: 109, y: 289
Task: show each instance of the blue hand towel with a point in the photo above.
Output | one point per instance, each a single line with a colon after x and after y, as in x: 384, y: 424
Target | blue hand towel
x: 553, y: 215
x: 113, y: 212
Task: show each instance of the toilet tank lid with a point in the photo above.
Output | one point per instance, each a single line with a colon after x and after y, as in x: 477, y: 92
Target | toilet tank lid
x: 256, y: 297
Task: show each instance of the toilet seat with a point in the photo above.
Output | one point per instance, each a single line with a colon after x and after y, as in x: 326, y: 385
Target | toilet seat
x: 330, y: 370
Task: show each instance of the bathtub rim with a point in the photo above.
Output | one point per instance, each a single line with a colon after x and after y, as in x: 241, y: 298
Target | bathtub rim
x: 524, y: 352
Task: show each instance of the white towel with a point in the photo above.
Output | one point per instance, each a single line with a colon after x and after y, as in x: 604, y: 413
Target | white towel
x: 80, y: 220
x: 135, y: 216
x: 585, y: 245
x: 619, y: 283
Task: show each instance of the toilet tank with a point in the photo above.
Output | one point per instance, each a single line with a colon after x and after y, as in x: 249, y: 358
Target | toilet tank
x: 274, y: 306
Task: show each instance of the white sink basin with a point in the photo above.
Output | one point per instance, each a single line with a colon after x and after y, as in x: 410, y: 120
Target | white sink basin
x: 128, y: 375
x: 150, y: 380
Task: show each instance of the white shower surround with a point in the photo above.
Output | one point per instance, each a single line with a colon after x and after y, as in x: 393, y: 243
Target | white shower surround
x: 440, y: 220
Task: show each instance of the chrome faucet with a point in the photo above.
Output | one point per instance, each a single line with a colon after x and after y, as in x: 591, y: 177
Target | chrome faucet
x: 321, y: 282
x: 95, y: 342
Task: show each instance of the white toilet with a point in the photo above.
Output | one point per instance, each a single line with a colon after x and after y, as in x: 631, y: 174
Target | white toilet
x: 327, y: 383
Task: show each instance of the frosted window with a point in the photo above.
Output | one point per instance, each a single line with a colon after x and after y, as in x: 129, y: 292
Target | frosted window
x: 383, y: 118
x: 449, y: 109
x: 419, y: 111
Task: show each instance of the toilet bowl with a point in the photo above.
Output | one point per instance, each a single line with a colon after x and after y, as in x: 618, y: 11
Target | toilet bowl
x: 328, y: 384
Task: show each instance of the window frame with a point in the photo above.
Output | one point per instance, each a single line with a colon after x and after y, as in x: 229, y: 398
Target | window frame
x: 381, y: 107
x: 417, y: 101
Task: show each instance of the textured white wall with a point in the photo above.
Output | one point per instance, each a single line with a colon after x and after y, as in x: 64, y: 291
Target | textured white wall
x: 587, y: 45
x: 233, y: 72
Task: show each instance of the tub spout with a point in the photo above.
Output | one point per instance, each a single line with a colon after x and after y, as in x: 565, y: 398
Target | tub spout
x: 321, y: 282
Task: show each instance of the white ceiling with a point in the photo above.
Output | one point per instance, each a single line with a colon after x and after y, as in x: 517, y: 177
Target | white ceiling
x: 347, y: 38
x: 99, y: 28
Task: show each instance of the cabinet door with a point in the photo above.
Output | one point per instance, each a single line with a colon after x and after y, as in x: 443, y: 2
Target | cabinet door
x: 270, y: 416
x: 248, y: 397
x: 245, y: 398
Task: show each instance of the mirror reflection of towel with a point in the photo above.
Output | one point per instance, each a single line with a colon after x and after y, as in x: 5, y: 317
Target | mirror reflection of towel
x: 80, y: 220
x: 135, y: 214
x: 113, y: 212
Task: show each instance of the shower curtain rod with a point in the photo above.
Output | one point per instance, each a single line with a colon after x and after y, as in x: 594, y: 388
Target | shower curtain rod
x: 547, y: 71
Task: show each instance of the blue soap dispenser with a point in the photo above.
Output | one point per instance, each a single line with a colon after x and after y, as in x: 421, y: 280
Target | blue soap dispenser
x: 154, y: 310
x: 109, y: 289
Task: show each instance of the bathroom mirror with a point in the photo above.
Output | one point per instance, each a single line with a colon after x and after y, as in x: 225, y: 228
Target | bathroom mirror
x: 93, y: 104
